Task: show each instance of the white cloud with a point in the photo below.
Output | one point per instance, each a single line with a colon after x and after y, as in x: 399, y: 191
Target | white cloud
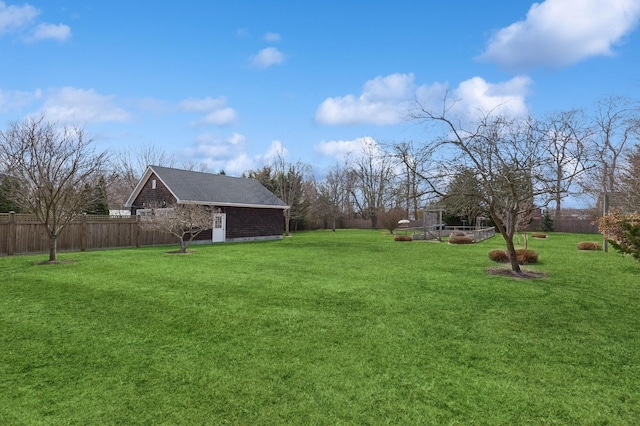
x: 220, y: 117
x: 71, y: 105
x: 16, y: 17
x: 342, y: 150
x: 384, y: 100
x: 13, y: 100
x: 562, y: 32
x: 229, y: 153
x: 215, y: 109
x: 388, y: 100
x: 23, y: 18
x: 238, y: 165
x: 58, y: 32
x: 275, y: 150
x: 267, y: 57
x: 272, y: 37
x: 476, y: 97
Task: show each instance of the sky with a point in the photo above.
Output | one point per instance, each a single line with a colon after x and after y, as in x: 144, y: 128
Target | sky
x: 232, y: 83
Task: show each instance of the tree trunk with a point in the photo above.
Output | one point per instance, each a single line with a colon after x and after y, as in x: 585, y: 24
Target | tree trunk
x: 511, y: 249
x: 374, y: 221
x: 53, y: 247
x: 287, y: 217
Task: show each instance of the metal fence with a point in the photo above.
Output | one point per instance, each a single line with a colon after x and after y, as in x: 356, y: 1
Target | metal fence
x: 22, y: 233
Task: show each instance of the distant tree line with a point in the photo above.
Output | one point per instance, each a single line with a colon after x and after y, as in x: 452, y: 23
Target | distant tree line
x: 494, y: 167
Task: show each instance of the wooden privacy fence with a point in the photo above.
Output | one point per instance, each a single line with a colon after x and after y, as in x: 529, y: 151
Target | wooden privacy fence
x: 23, y: 233
x: 576, y: 226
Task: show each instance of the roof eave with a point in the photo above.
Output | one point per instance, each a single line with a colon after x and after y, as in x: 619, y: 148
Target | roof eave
x: 221, y: 204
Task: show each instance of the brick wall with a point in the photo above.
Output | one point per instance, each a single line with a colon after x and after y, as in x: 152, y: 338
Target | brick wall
x: 243, y: 222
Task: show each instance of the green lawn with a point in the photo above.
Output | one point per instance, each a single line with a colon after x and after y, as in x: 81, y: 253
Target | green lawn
x: 322, y: 328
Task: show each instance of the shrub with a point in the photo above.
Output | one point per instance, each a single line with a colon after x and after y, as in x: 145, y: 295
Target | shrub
x: 588, y: 245
x: 403, y: 238
x: 500, y: 256
x: 546, y: 222
x: 622, y: 231
x: 461, y: 240
x: 538, y: 235
x: 389, y: 219
x: 525, y: 256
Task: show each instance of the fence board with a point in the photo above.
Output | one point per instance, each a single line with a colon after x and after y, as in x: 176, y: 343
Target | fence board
x: 20, y: 234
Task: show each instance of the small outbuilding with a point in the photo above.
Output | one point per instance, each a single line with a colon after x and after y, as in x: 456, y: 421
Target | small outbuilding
x: 243, y: 209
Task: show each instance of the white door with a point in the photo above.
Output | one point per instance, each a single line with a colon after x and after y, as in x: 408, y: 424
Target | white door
x: 219, y: 227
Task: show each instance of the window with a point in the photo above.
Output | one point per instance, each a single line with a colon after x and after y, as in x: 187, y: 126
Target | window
x: 153, y: 184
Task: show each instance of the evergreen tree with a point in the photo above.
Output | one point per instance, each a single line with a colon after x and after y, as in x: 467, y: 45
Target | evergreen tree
x: 546, y: 222
x: 99, y: 204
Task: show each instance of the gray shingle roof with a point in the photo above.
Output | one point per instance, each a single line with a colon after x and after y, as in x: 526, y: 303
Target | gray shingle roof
x: 208, y: 188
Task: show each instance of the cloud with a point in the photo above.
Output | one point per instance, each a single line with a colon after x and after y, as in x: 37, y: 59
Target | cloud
x: 215, y: 110
x: 267, y: 57
x: 476, y: 97
x: 272, y: 37
x: 275, y: 150
x: 212, y: 146
x: 13, y: 18
x: 58, y: 32
x: 343, y: 150
x: 558, y: 33
x: 23, y: 19
x: 388, y: 100
x: 14, y: 100
x: 229, y: 153
x: 383, y: 101
x: 71, y: 105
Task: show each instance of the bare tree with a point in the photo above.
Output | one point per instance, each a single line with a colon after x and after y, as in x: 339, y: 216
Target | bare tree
x: 185, y: 221
x: 372, y: 176
x: 53, y: 165
x: 331, y: 195
x: 630, y: 181
x: 506, y: 157
x: 616, y: 123
x: 289, y: 180
x: 419, y: 174
x: 566, y: 136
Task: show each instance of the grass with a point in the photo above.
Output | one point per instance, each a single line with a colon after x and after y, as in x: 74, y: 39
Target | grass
x: 323, y: 328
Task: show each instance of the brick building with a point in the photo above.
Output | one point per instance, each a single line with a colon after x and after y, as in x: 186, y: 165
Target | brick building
x: 242, y: 209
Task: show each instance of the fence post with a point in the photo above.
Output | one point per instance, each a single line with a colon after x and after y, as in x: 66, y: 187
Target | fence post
x: 11, y: 241
x: 83, y: 233
x: 136, y: 232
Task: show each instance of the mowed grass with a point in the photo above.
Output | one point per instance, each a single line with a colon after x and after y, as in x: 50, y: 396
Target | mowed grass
x: 322, y: 328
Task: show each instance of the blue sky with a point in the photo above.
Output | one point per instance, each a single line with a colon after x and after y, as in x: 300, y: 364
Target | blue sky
x: 230, y: 83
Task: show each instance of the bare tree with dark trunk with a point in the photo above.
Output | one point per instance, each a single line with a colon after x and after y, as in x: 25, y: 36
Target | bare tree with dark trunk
x: 371, y: 174
x: 566, y: 136
x: 507, y: 159
x: 185, y: 221
x: 616, y: 124
x: 53, y: 166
